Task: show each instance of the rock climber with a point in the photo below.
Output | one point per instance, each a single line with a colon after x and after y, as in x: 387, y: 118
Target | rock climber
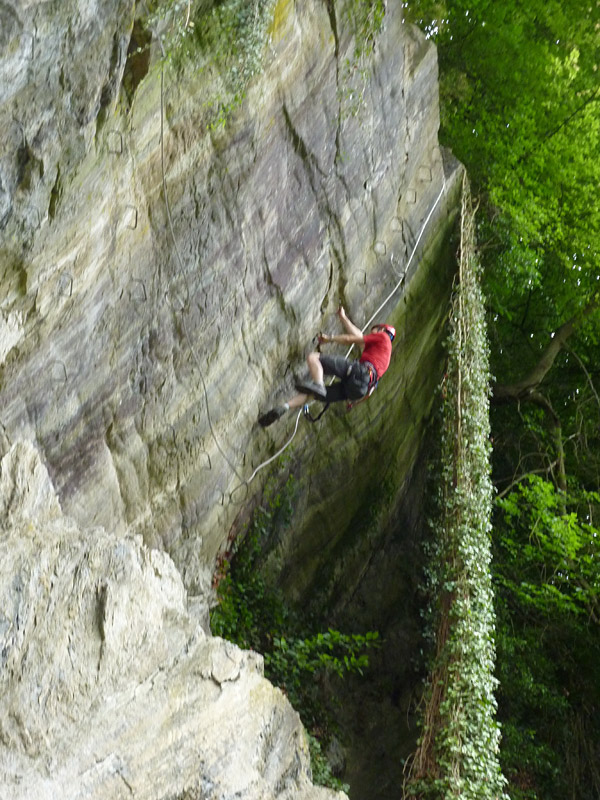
x: 357, y: 378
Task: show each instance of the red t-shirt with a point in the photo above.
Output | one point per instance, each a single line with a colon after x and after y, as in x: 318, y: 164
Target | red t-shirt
x: 378, y: 351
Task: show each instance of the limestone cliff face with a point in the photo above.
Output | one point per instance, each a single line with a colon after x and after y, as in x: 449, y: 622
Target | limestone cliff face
x: 139, y: 376
x: 110, y: 686
x: 139, y: 340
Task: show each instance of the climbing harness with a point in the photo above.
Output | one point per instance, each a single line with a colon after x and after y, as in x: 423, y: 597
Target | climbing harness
x: 373, y: 383
x: 370, y: 320
x: 371, y: 386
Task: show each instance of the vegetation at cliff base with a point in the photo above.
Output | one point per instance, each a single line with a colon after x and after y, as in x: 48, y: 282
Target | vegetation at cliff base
x: 298, y: 657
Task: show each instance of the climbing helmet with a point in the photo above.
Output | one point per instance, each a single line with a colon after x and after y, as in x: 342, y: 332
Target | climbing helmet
x: 389, y: 329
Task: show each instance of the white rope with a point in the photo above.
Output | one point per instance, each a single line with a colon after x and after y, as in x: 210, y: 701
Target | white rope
x: 404, y: 274
x: 414, y: 250
x: 271, y: 459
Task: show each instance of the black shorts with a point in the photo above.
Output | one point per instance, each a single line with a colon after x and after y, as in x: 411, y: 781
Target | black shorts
x: 354, y: 378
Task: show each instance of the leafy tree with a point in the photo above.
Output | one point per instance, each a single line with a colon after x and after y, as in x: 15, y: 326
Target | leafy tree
x: 520, y: 106
x: 547, y: 581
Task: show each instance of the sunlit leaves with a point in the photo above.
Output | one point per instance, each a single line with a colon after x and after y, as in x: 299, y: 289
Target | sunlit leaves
x: 550, y: 555
x: 521, y: 108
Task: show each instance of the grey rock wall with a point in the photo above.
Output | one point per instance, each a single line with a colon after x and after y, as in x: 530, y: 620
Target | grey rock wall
x: 136, y: 361
x: 109, y: 686
x: 140, y: 340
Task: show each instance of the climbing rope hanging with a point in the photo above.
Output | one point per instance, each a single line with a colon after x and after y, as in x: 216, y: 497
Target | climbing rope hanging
x: 247, y: 481
x: 182, y: 268
x: 408, y: 263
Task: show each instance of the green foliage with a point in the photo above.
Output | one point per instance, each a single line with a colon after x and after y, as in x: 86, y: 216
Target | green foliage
x: 520, y: 107
x: 234, y: 35
x: 254, y: 615
x: 458, y: 749
x: 321, y: 770
x: 171, y: 22
x: 293, y: 664
x: 364, y: 19
x: 227, y: 39
x: 549, y: 555
x: 547, y: 578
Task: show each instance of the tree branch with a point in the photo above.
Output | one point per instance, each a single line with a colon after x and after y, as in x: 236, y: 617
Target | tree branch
x: 517, y: 481
x: 544, y: 403
x: 512, y: 392
x: 553, y: 131
x: 587, y: 375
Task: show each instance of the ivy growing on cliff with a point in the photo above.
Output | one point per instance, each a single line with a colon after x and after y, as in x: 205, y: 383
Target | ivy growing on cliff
x: 226, y: 39
x: 457, y: 755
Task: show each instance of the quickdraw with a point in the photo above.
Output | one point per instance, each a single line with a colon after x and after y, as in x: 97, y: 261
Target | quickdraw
x: 309, y: 416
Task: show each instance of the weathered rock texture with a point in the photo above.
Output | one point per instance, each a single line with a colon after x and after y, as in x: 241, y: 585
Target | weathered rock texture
x: 137, y: 347
x: 134, y: 374
x: 109, y: 686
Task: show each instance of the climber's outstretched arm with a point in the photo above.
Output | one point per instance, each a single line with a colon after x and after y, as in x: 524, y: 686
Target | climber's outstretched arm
x: 342, y: 338
x: 349, y: 325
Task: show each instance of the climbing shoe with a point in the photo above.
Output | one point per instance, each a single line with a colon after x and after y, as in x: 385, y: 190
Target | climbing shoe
x: 271, y: 416
x: 312, y: 387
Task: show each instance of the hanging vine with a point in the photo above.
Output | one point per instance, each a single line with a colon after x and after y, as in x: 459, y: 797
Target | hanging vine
x: 457, y: 754
x: 226, y: 39
x: 364, y: 20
